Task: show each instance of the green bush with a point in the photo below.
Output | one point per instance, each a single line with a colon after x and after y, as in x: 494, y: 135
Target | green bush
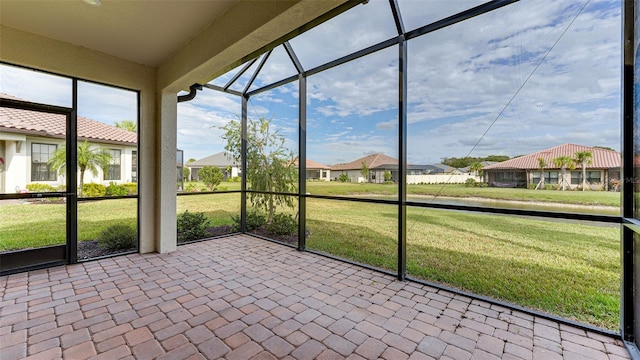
x: 94, y: 190
x: 118, y: 237
x: 211, y: 176
x: 114, y: 189
x: 39, y: 187
x: 283, y: 224
x: 192, y: 226
x: 132, y: 188
x: 343, y: 178
x: 551, y: 186
x: 237, y: 179
x: 191, y: 187
x: 255, y: 220
x: 473, y: 183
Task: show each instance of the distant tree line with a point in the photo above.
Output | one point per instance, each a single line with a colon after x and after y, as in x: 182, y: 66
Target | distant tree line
x: 468, y: 161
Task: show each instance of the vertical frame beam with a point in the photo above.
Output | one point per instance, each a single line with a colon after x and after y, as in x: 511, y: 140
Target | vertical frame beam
x: 72, y: 177
x: 302, y: 162
x: 402, y: 158
x: 628, y: 269
x: 243, y: 196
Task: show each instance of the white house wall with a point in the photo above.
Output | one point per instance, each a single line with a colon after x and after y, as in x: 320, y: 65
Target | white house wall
x: 18, y: 164
x: 15, y: 165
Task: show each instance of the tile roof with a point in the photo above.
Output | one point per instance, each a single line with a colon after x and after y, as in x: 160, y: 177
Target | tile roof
x: 373, y: 161
x: 313, y: 165
x: 602, y: 158
x: 53, y: 125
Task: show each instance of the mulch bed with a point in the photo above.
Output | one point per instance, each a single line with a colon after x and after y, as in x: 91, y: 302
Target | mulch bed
x: 90, y: 249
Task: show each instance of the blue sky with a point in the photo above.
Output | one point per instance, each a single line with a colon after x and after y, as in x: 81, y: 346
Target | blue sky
x: 460, y: 79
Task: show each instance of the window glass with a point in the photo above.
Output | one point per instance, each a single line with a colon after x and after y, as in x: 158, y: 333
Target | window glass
x: 352, y: 137
x: 278, y: 66
x: 417, y: 13
x: 41, y: 169
x: 566, y: 268
x: 356, y: 29
x: 362, y: 232
x: 34, y: 86
x: 107, y: 140
x: 112, y: 172
x: 200, y: 129
x: 492, y: 107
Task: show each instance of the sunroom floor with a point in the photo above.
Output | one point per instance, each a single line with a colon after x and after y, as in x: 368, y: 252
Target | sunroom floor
x: 244, y: 298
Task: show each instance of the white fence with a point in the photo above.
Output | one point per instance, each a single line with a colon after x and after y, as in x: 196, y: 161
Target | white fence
x: 441, y: 179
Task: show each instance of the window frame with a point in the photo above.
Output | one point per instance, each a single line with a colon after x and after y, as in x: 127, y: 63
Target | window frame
x: 115, y: 165
x: 51, y: 175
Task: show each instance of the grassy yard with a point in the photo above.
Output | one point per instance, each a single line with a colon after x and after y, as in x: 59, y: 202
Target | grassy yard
x: 568, y: 269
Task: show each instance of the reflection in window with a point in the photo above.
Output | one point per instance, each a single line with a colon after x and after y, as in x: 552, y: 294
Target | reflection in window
x: 40, y: 168
x: 112, y: 171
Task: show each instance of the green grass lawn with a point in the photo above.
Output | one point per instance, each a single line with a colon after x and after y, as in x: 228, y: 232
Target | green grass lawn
x: 568, y: 269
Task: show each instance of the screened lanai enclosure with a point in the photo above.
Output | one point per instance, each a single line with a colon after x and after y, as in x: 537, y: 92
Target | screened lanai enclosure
x: 415, y: 86
x: 388, y: 133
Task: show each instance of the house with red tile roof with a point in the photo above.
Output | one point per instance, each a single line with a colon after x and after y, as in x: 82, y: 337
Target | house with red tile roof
x: 377, y: 164
x: 524, y: 170
x: 28, y: 139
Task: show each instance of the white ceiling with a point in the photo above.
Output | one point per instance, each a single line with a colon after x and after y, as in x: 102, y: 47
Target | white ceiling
x: 142, y: 31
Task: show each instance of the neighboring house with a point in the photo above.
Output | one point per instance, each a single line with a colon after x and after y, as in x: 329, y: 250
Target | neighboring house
x: 524, y: 170
x: 316, y: 170
x: 28, y: 139
x: 433, y: 174
x: 228, y: 165
x: 377, y: 164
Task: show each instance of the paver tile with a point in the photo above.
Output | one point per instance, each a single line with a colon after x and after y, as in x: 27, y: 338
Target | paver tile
x: 242, y: 298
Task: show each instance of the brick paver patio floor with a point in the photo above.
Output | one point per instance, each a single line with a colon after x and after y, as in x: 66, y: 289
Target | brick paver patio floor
x: 245, y: 298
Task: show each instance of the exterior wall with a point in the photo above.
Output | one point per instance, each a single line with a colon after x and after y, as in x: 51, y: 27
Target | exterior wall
x: 441, y: 179
x: 318, y: 174
x: 15, y: 163
x: 355, y: 176
x: 17, y: 157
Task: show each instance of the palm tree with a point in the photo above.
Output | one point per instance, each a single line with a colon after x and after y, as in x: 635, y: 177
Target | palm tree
x: 583, y: 158
x: 541, y: 165
x: 563, y: 162
x: 87, y: 160
x: 476, y: 167
x: 128, y: 125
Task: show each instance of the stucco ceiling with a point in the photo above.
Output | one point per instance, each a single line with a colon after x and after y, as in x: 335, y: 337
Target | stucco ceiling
x: 142, y: 31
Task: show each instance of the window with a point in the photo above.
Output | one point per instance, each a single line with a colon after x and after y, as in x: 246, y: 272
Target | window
x: 112, y: 171
x: 134, y: 166
x: 40, y: 168
x: 550, y: 177
x: 593, y: 177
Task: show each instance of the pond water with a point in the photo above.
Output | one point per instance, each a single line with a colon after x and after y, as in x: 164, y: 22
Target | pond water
x: 504, y: 204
